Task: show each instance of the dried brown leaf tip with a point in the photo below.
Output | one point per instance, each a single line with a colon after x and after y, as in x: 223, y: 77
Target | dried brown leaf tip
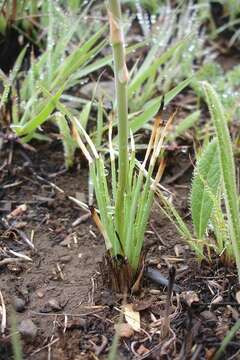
x: 116, y: 36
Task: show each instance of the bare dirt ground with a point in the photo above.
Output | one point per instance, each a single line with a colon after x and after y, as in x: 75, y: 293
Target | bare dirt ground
x: 70, y: 314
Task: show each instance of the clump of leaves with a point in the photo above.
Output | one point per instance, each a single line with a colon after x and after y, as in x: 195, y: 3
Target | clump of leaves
x: 214, y: 199
x: 228, y: 170
x: 124, y: 231
x: 125, y: 196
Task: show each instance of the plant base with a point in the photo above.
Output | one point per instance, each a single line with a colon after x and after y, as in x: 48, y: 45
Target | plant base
x: 118, y: 275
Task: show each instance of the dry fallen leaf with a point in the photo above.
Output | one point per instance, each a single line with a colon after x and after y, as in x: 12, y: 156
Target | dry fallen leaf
x: 132, y: 317
x: 124, y: 330
x: 210, y: 353
x: 142, y: 350
x: 238, y: 296
x: 142, y: 305
x: 217, y: 300
x: 190, y: 297
x: 178, y: 249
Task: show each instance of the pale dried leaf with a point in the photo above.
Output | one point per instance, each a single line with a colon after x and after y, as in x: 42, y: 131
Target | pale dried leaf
x: 217, y: 300
x: 17, y: 212
x: 124, y: 330
x: 238, y: 296
x: 132, y: 317
x: 142, y: 350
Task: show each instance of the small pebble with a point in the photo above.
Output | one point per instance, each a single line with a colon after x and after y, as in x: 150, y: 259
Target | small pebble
x: 65, y: 258
x: 54, y: 305
x: 28, y: 329
x: 19, y: 304
x: 67, y: 241
x: 154, y: 291
x: 209, y: 315
x: 40, y: 294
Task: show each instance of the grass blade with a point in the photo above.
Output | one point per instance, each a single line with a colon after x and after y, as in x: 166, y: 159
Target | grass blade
x: 227, y: 340
x: 42, y: 116
x: 152, y: 107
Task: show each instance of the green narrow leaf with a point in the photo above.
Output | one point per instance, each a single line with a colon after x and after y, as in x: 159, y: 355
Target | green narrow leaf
x: 107, y: 60
x: 144, y: 74
x: 230, y: 335
x: 81, y: 54
x: 6, y: 88
x: 84, y: 116
x: 18, y: 64
x: 206, y: 178
x: 152, y: 107
x: 67, y: 139
x: 42, y: 116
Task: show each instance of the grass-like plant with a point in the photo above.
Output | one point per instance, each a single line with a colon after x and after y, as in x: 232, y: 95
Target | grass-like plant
x: 125, y: 197
x: 57, y: 69
x: 124, y: 208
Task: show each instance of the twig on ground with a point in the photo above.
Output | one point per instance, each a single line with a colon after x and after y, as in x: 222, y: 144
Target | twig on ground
x: 82, y: 219
x: 44, y: 347
x: 11, y: 261
x: 156, y: 276
x: 22, y: 235
x: 166, y: 322
x: 99, y: 349
x: 19, y: 255
x: 4, y: 314
x: 157, y: 234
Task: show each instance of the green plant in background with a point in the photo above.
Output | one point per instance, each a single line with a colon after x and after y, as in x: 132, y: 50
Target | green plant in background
x: 181, y: 26
x: 53, y: 71
x: 153, y: 6
x: 25, y: 15
x: 227, y: 85
x: 11, y: 10
x: 160, y: 71
x: 57, y: 71
x: 64, y: 62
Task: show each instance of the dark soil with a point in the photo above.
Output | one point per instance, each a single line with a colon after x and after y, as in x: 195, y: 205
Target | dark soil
x: 61, y: 288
